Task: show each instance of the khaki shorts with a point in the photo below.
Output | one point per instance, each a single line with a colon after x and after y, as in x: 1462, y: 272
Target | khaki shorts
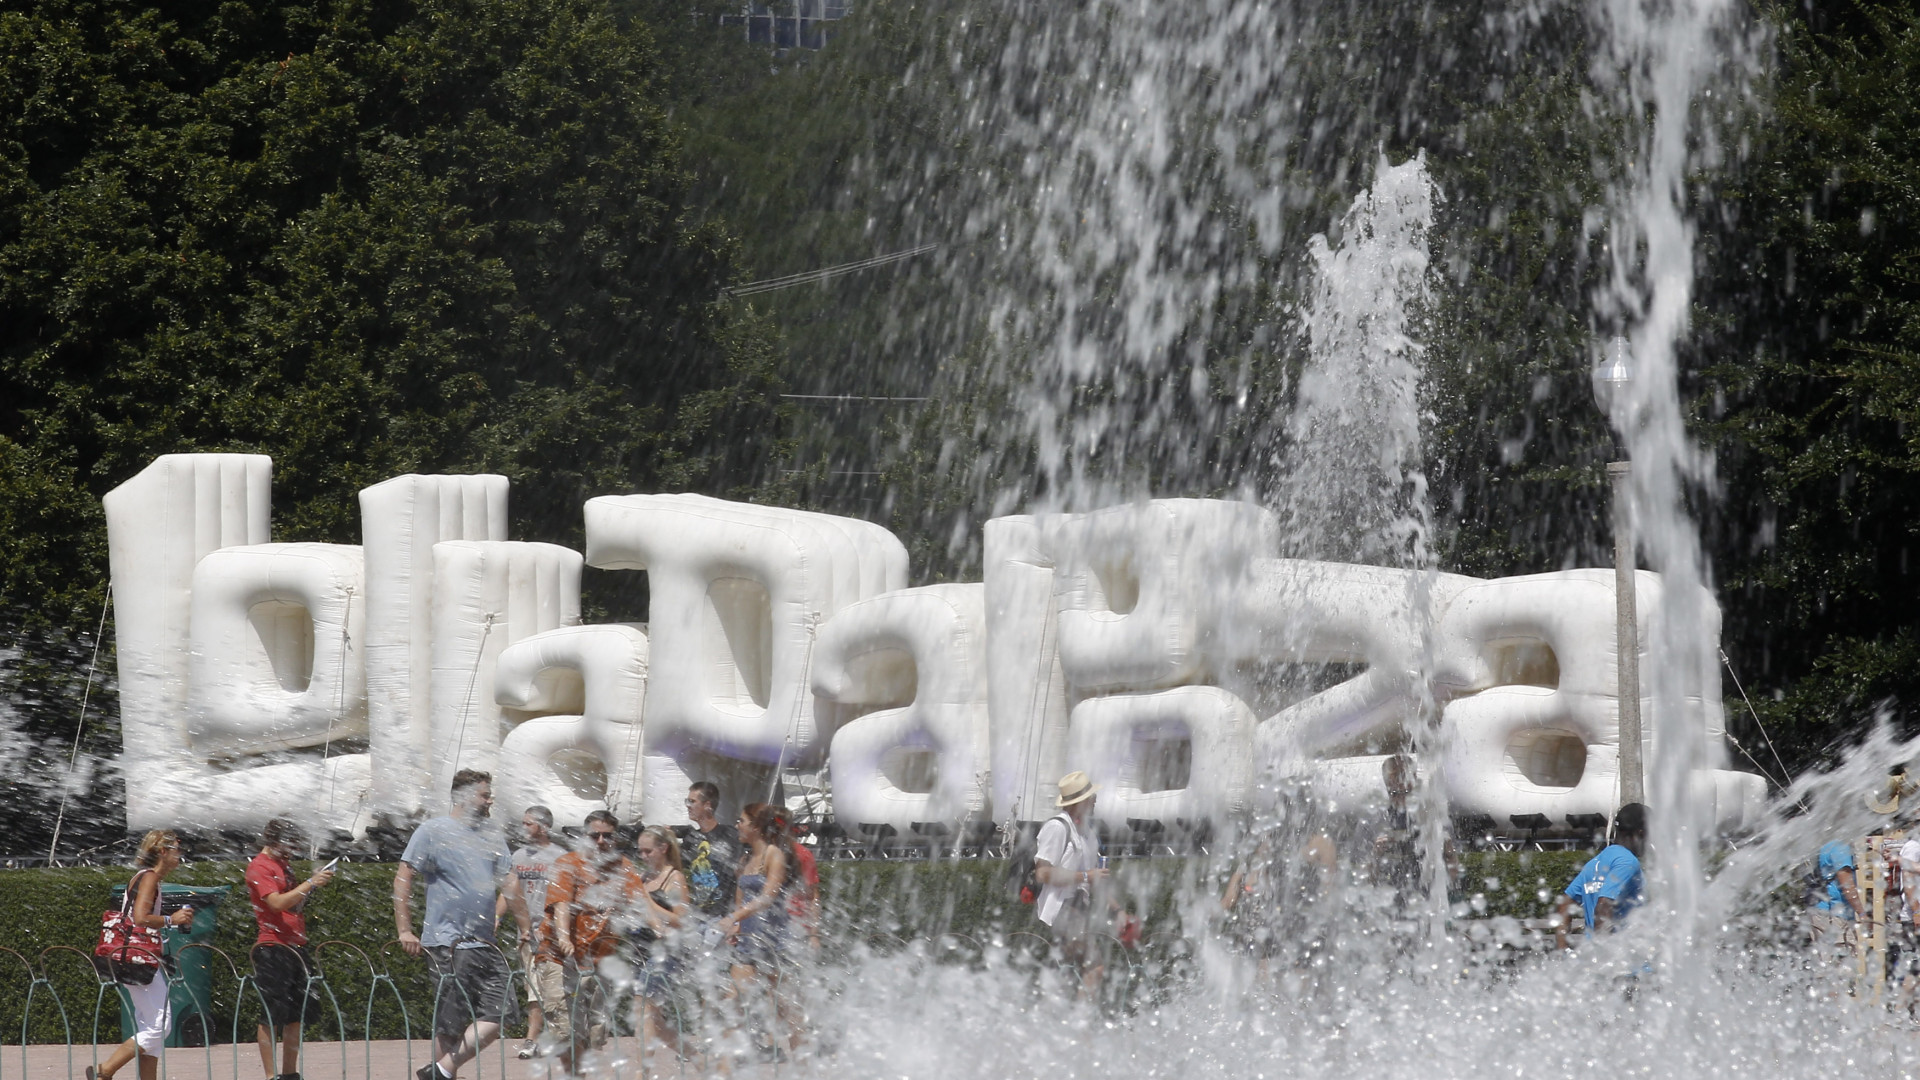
x: 1832, y: 933
x: 557, y: 983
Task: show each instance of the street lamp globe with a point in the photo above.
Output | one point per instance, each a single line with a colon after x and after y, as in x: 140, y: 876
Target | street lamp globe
x: 1613, y: 377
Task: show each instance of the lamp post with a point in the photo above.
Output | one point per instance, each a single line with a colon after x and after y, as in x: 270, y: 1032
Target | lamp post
x: 1612, y: 386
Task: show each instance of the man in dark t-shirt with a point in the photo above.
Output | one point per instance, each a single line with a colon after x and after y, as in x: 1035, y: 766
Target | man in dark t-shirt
x: 711, y: 851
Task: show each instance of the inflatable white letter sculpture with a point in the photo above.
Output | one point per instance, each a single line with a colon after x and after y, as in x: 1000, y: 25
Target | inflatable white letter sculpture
x: 1026, y: 690
x: 919, y: 655
x: 588, y: 684
x: 1342, y: 613
x: 400, y: 521
x: 237, y: 699
x: 279, y: 660
x: 1128, y: 741
x: 487, y: 594
x: 736, y: 593
x: 159, y: 524
x: 1140, y: 587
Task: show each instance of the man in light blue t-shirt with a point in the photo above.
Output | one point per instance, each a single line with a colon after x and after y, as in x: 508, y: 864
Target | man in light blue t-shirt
x: 466, y: 862
x: 1835, y: 899
x: 1611, y: 885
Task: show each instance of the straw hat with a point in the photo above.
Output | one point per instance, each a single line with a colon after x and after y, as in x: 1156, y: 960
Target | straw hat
x: 1888, y: 801
x: 1075, y: 787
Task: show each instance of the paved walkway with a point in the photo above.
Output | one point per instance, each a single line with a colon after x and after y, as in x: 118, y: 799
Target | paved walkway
x: 387, y: 1060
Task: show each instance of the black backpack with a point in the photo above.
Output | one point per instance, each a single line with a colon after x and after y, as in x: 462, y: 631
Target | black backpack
x: 1017, y: 879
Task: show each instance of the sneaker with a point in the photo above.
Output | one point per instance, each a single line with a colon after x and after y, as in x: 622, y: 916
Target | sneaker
x: 431, y: 1071
x: 528, y: 1050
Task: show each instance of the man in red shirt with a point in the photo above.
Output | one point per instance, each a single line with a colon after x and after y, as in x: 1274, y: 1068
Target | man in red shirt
x: 803, y: 900
x: 280, y: 960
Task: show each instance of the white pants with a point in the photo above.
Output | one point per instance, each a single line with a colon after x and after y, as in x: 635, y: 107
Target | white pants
x: 152, y: 1014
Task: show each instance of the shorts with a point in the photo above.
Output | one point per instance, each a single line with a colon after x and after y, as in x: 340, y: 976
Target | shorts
x: 527, y: 985
x: 1834, y: 933
x: 1073, y: 931
x: 470, y: 986
x: 565, y: 1007
x: 280, y: 972
x: 762, y: 944
x: 152, y: 1014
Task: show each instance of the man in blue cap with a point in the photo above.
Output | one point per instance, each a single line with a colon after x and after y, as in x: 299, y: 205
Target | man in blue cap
x: 1611, y: 884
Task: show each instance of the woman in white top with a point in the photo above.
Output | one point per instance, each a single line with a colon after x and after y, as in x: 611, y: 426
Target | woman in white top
x: 158, y: 856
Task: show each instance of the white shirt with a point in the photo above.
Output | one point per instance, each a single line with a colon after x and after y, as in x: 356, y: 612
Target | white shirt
x: 1064, y: 848
x: 1909, y: 875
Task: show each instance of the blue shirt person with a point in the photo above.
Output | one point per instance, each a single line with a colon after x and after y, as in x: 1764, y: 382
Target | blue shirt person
x: 1611, y: 884
x: 1836, y: 874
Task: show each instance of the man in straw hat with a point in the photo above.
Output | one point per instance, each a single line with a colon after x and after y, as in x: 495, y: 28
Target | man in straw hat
x: 1066, y: 863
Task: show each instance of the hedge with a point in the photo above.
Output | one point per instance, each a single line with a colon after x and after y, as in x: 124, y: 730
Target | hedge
x: 880, y: 903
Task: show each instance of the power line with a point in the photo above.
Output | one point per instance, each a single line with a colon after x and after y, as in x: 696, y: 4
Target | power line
x: 790, y: 280
x: 849, y: 397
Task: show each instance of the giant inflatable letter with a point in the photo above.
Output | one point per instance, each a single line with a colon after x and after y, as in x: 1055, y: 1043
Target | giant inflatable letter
x: 1179, y: 756
x: 1026, y: 690
x: 582, y: 751
x: 400, y: 521
x: 1140, y: 587
x: 1542, y: 733
x: 736, y: 595
x: 919, y: 655
x: 1341, y: 613
x: 487, y: 594
x: 278, y: 652
x: 239, y: 658
x: 159, y: 524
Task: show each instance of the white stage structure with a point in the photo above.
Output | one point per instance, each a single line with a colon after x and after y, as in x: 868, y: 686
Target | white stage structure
x: 1160, y: 646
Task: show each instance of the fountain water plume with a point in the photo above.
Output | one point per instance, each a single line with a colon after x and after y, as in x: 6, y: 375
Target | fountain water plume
x: 1658, y: 59
x: 1355, y: 487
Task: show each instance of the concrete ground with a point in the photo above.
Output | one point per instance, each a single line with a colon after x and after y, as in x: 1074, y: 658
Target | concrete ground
x: 385, y: 1060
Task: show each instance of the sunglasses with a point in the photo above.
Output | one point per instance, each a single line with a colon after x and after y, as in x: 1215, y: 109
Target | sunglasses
x: 602, y: 834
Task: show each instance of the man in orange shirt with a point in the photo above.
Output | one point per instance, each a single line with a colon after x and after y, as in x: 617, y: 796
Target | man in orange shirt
x: 589, y: 891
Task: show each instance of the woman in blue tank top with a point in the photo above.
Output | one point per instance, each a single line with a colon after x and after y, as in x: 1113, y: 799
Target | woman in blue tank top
x: 757, y: 927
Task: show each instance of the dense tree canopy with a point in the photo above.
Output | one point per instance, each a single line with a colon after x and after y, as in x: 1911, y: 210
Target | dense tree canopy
x: 363, y: 238
x: 1821, y: 429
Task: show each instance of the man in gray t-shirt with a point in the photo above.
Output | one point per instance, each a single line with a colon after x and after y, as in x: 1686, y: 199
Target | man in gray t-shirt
x: 466, y: 864
x: 533, y: 865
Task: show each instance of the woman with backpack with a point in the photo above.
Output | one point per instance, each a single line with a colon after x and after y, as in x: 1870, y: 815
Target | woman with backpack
x: 144, y: 985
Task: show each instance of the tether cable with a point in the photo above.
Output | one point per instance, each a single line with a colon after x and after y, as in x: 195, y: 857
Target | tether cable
x: 788, y: 281
x: 80, y: 725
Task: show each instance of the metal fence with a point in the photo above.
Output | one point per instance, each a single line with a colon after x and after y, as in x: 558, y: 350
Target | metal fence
x: 693, y: 1018
x: 595, y: 1001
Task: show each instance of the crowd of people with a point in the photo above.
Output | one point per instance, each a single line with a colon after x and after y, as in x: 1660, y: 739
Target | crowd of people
x: 697, y: 928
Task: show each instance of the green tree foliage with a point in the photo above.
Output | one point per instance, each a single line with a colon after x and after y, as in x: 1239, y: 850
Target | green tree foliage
x: 364, y: 238
x: 1821, y: 431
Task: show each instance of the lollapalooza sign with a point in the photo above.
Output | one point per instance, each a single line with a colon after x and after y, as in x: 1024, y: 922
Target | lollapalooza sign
x: 341, y: 682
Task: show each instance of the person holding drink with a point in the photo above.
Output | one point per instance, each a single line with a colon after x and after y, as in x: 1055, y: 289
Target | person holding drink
x: 158, y: 856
